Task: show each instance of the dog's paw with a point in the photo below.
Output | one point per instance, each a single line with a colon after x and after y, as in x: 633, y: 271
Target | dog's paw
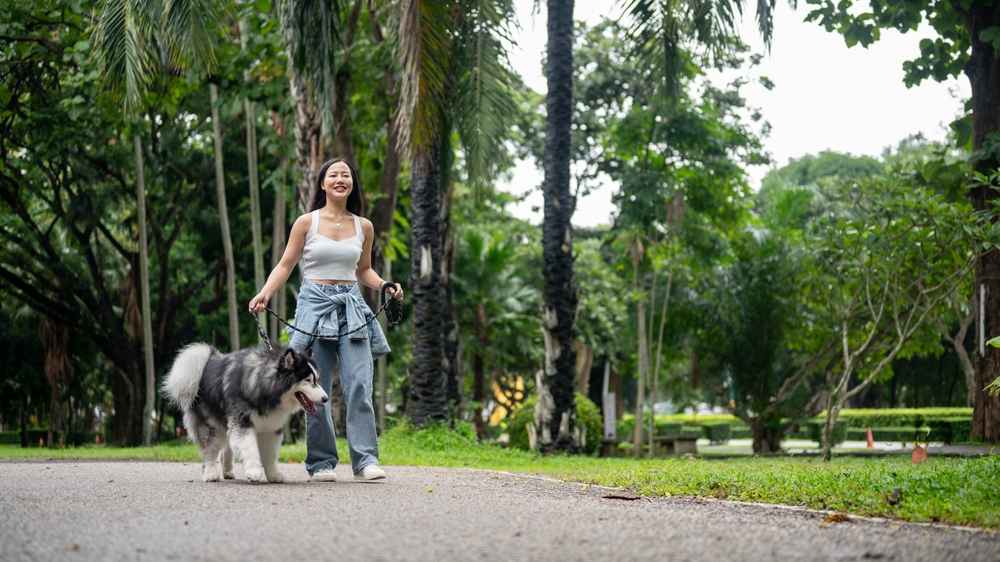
x: 211, y: 474
x: 275, y: 476
x: 229, y: 475
x: 256, y: 475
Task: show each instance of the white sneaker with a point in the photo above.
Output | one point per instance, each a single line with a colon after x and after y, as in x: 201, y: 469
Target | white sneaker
x: 370, y: 472
x: 324, y: 475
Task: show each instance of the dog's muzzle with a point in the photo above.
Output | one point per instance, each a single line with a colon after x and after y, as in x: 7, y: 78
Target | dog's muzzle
x: 307, y: 404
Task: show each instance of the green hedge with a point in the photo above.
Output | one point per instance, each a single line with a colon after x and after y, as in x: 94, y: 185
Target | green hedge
x: 587, y: 413
x: 900, y: 417
x: 718, y: 432
x: 949, y: 425
x: 904, y: 434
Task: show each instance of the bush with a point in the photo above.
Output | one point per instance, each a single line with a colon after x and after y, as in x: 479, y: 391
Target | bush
x: 587, y: 414
x: 664, y: 425
x: 899, y: 417
x: 903, y: 434
x: 717, y: 433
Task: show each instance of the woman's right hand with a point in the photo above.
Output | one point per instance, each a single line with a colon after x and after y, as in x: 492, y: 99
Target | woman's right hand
x: 259, y: 302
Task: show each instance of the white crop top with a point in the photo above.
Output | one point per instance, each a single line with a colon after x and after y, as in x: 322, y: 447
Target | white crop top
x: 326, y: 258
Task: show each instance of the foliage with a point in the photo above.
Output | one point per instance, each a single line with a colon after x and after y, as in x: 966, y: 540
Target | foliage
x: 754, y: 306
x: 587, y: 415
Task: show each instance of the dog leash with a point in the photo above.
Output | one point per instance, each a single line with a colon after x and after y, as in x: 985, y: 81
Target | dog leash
x: 393, y: 314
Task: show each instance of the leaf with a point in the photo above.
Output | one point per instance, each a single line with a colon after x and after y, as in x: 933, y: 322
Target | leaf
x: 991, y: 35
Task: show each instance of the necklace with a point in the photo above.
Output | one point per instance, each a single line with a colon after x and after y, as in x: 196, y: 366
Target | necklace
x: 340, y: 220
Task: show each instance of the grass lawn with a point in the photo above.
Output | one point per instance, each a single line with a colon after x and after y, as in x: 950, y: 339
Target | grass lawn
x: 951, y: 490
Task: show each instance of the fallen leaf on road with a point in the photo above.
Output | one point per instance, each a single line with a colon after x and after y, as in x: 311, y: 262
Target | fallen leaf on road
x: 834, y: 518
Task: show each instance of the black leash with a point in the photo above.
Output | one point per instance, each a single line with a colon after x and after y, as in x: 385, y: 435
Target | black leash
x: 393, y: 314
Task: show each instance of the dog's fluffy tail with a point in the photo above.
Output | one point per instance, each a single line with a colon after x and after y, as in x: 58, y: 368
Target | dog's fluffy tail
x: 182, y: 382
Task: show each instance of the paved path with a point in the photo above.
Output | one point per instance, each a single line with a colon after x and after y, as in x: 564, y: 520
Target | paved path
x: 162, y: 511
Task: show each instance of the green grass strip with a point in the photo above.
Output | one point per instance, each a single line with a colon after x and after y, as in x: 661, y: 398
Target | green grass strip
x: 950, y: 490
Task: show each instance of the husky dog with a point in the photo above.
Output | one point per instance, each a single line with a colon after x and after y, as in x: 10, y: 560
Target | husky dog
x: 244, y: 397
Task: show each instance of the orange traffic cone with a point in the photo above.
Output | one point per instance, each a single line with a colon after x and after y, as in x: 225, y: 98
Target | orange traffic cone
x: 870, y: 439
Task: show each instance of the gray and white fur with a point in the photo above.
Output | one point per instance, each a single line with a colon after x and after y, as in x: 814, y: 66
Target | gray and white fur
x: 240, y: 402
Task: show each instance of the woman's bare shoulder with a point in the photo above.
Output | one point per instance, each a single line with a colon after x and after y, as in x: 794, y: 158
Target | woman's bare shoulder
x: 302, y: 222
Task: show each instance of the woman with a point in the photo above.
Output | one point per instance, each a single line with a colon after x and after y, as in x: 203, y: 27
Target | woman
x: 332, y: 245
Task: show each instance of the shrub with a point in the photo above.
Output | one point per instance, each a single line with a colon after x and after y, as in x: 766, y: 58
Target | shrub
x: 587, y: 414
x: 903, y: 434
x: 899, y: 417
x: 718, y: 432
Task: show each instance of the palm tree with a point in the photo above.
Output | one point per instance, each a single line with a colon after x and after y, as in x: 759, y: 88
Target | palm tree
x: 492, y: 298
x: 453, y: 61
x: 555, y: 418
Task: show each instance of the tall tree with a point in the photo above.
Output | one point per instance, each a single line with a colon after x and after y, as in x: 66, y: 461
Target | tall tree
x: 250, y: 116
x: 556, y: 411
x: 223, y: 209
x: 968, y: 40
x: 455, y: 79
x: 146, y: 310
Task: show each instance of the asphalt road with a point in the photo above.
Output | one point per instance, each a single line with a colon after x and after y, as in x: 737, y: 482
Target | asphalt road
x: 162, y: 511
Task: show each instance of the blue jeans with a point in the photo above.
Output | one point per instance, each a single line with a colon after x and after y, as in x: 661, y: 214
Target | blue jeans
x: 353, y: 357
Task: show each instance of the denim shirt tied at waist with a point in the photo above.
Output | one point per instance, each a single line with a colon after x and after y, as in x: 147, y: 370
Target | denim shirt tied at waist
x: 318, y: 311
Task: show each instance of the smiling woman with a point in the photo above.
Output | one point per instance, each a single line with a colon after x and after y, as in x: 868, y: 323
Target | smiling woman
x: 332, y: 244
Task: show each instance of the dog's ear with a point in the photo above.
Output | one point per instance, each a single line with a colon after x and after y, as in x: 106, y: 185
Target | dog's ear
x: 287, y: 362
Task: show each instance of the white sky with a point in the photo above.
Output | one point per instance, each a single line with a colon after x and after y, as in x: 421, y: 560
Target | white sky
x: 826, y: 96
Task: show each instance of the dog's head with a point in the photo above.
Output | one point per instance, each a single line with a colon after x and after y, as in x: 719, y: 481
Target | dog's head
x: 300, y: 370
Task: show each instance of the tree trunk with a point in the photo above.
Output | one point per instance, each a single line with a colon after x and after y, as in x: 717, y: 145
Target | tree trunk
x: 983, y: 71
x: 584, y: 363
x: 479, y: 370
x: 766, y: 436
x: 449, y: 326
x: 250, y: 114
x: 279, y: 224
x: 557, y: 427
x: 308, y: 142
x: 958, y: 345
x: 227, y: 243
x: 55, y: 340
x: 832, y: 411
x: 381, y: 371
x: 147, y: 324
x: 427, y: 399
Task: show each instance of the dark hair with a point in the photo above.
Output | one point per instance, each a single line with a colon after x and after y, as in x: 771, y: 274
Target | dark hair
x: 353, y: 200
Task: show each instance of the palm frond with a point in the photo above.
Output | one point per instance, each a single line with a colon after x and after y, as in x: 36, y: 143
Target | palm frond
x: 123, y: 34
x: 485, y: 101
x: 425, y: 60
x: 311, y: 34
x: 191, y: 31
x: 133, y: 38
x: 660, y: 27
